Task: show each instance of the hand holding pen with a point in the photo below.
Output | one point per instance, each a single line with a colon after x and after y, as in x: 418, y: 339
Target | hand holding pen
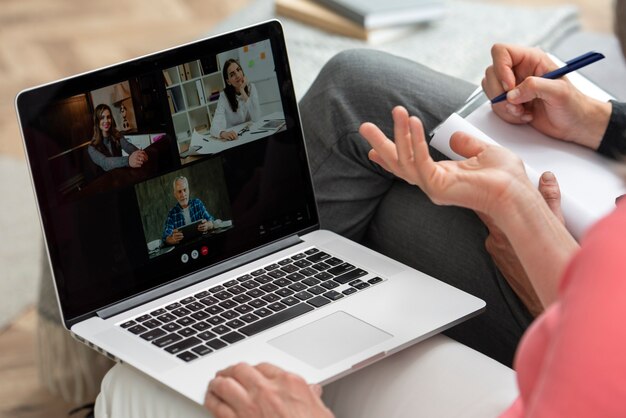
x: 537, y: 94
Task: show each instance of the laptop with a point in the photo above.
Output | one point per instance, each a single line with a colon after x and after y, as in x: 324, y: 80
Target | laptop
x: 272, y: 287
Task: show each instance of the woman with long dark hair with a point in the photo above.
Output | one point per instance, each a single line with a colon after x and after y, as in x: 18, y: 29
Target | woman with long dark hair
x: 106, y: 146
x: 238, y: 103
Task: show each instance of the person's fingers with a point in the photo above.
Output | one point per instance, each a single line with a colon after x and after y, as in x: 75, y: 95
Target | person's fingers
x: 231, y: 392
x: 269, y: 370
x: 466, y: 145
x: 249, y: 377
x: 385, y: 148
x: 421, y: 155
x: 317, y: 390
x: 402, y: 136
x: 551, y: 192
x: 491, y: 84
x: 553, y: 91
x: 217, y: 407
x: 503, y: 62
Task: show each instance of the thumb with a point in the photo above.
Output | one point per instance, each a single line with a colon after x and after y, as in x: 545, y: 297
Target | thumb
x: 538, y: 88
x: 317, y: 390
x: 551, y: 192
x: 466, y: 145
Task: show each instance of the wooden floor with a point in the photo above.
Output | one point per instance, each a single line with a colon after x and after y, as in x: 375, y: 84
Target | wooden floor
x: 42, y: 40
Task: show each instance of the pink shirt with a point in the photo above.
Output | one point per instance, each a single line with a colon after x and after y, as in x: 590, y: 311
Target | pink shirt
x: 572, y: 361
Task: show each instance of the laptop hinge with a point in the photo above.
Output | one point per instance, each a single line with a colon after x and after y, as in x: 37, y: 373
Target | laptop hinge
x: 199, y: 276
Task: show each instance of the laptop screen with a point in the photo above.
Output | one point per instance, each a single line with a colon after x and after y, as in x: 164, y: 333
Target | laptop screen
x: 162, y: 166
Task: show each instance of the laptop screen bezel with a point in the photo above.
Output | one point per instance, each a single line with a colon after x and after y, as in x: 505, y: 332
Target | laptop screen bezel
x: 29, y: 101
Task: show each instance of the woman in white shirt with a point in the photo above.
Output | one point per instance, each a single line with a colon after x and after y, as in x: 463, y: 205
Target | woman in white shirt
x: 238, y: 103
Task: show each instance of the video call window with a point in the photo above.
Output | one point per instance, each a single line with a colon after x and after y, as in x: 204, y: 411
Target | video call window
x: 185, y: 207
x: 224, y: 100
x: 106, y: 138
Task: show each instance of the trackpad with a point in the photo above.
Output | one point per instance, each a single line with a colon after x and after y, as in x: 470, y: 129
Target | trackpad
x: 330, y: 339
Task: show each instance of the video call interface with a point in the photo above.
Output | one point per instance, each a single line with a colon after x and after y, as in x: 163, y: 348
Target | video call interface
x: 169, y: 172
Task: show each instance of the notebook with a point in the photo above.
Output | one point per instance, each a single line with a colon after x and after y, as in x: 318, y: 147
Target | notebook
x: 271, y: 286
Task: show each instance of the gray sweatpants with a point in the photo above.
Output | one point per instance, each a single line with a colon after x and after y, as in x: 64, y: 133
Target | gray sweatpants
x: 360, y: 200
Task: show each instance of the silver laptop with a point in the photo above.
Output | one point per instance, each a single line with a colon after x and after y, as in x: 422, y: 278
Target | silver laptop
x: 266, y: 284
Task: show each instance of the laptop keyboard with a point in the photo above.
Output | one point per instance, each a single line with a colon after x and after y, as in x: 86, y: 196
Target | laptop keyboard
x: 224, y: 314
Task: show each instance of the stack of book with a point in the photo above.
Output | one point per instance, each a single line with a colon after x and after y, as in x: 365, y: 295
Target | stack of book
x: 370, y: 20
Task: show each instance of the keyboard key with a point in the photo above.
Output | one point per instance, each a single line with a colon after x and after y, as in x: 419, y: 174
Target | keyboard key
x: 271, y: 267
x: 277, y: 306
x: 323, y: 276
x: 231, y: 283
x: 295, y: 277
x: 216, y: 320
x: 349, y: 291
x: 341, y: 269
x: 249, y: 318
x: 182, y: 345
x: 220, y: 329
x: 263, y: 279
x: 185, y: 321
x: 257, y: 303
x: 243, y: 309
x: 284, y: 261
x: 282, y: 282
x: 321, y: 266
x: 308, y: 271
x: 173, y: 306
x: 186, y: 332
x: 298, y: 256
x: 128, y: 324
x: 269, y: 287
x: 216, y: 344
x: 270, y: 298
x: 332, y: 295
x: 235, y: 323
x: 201, y: 326
x: 290, y: 268
x: 318, y: 301
x: 375, y: 280
x: 201, y: 350
x: 233, y: 337
x: 297, y: 287
x: 223, y: 295
x: 137, y: 329
x: 167, y: 340
x: 255, y: 293
x: 258, y: 272
x: 152, y: 323
x: 250, y: 284
x: 349, y: 276
x: 331, y: 284
x: 242, y: 298
x: 361, y: 285
x: 187, y: 300
x: 166, y: 317
x: 194, y: 306
x: 311, y: 251
x: 230, y: 314
x: 200, y: 315
x: 263, y: 312
x: 302, y: 263
x: 277, y: 274
x: 228, y: 304
x: 143, y: 318
x: 289, y: 301
x: 319, y: 256
x: 277, y: 318
x: 284, y: 292
x: 172, y: 326
x: 153, y: 334
x: 216, y: 289
x: 187, y: 356
x: 235, y: 290
x: 202, y: 294
x: 244, y: 278
x: 206, y: 335
x: 333, y: 261
x: 310, y: 281
x: 317, y: 290
x: 158, y: 312
x: 304, y: 295
x: 209, y: 301
x: 179, y: 312
x: 214, y: 310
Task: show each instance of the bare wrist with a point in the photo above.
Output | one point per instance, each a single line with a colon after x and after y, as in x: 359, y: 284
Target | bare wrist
x: 596, y: 116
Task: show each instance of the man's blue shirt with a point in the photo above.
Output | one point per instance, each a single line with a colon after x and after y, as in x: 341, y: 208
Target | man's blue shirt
x: 176, y: 219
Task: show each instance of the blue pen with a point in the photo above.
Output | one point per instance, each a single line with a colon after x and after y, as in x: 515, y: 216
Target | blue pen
x: 571, y: 65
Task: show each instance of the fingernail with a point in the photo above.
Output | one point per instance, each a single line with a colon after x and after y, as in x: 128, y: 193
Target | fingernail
x: 513, y: 94
x: 512, y: 109
x: 505, y: 86
x: 548, y: 177
x: 527, y: 117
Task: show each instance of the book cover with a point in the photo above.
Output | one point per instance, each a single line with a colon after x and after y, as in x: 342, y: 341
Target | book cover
x: 201, y: 98
x: 315, y: 14
x: 373, y: 14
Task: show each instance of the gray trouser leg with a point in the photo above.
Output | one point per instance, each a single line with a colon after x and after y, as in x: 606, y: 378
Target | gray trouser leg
x: 361, y: 201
